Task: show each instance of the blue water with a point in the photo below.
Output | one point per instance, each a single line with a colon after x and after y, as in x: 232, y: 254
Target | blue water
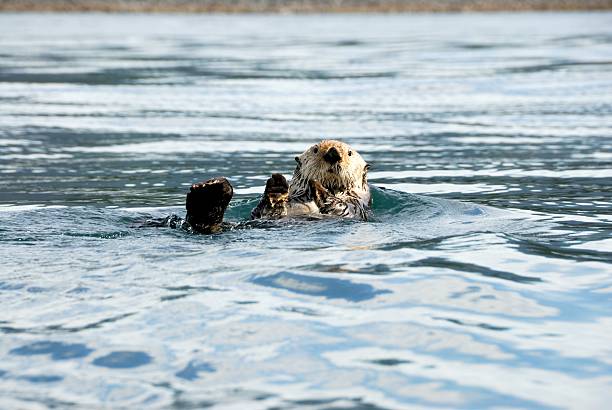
x: 484, y: 279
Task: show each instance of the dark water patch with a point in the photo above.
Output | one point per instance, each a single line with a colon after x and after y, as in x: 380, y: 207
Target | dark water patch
x: 555, y: 66
x: 265, y: 72
x: 443, y: 263
x: 186, y: 291
x: 330, y: 288
x: 558, y: 250
x: 62, y: 329
x: 93, y: 325
x: 183, y: 400
x: 173, y: 297
x: 182, y: 403
x: 57, y: 350
x: 485, y: 326
x: 313, y: 402
x: 581, y: 39
x: 11, y: 330
x: 300, y: 310
x: 79, y: 290
x: 7, y: 286
x: 348, y: 43
x: 42, y: 378
x: 114, y: 47
x: 105, y: 77
x: 483, y: 46
x: 51, y: 57
x: 36, y: 289
x: 193, y: 369
x: 390, y: 362
x: 47, y: 402
x: 123, y: 360
x: 14, y: 99
x: 190, y: 288
x: 62, y: 137
x: 367, y: 269
x: 339, y: 404
x: 178, y: 75
x: 416, y: 244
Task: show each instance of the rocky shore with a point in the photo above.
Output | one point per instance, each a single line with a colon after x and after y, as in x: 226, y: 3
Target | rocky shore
x: 299, y: 6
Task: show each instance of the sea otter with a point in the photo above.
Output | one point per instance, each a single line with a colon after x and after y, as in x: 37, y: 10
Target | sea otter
x: 330, y: 179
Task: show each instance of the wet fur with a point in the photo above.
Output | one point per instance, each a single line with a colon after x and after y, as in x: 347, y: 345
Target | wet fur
x: 206, y: 203
x: 321, y: 187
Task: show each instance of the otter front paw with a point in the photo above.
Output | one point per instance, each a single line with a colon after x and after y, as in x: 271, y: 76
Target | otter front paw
x: 277, y: 190
x: 206, y: 203
x: 327, y: 202
x: 273, y: 203
x: 319, y: 193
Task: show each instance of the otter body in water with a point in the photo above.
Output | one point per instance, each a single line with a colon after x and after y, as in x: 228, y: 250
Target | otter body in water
x: 330, y: 179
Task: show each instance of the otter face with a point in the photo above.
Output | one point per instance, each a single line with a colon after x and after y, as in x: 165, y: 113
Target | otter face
x: 334, y: 164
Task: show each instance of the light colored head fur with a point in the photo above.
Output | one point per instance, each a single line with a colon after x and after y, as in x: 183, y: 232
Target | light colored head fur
x: 345, y: 172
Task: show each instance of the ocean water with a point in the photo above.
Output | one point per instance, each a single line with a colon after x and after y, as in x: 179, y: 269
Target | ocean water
x: 483, y: 281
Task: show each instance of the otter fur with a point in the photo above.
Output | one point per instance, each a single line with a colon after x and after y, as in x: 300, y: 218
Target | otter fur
x: 330, y: 179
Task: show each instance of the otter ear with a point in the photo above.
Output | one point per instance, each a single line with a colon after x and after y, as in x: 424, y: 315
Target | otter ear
x: 367, y: 167
x: 297, y: 159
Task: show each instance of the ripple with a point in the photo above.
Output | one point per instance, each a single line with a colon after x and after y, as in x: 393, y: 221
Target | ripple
x: 472, y: 268
x: 500, y: 268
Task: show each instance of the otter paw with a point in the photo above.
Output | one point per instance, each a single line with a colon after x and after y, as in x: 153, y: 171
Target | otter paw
x: 206, y: 203
x: 277, y: 190
x: 273, y: 203
x: 319, y: 193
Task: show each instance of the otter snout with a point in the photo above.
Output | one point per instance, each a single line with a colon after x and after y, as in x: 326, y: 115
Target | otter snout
x: 332, y: 156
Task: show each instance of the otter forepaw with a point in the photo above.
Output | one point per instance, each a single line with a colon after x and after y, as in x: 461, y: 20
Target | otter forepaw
x: 277, y: 189
x: 319, y: 193
x: 206, y: 203
x: 273, y: 203
x: 327, y: 202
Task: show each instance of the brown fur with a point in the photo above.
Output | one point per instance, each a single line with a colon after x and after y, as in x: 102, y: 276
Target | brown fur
x: 330, y: 179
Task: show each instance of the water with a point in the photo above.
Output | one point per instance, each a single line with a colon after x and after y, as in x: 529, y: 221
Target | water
x: 484, y: 279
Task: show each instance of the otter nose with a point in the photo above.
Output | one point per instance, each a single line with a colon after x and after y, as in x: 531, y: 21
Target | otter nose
x: 332, y: 155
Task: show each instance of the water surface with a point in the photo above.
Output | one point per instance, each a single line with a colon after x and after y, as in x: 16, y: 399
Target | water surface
x: 484, y: 280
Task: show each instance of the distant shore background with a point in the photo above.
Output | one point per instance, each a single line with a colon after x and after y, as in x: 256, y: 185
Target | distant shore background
x: 299, y: 6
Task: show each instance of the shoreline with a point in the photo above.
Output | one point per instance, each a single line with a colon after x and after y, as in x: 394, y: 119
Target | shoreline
x: 300, y: 6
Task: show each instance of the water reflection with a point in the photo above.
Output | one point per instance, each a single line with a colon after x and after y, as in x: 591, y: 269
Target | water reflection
x: 327, y: 287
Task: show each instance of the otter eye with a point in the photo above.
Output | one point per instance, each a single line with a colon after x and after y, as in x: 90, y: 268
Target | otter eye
x: 350, y: 153
x: 315, y: 150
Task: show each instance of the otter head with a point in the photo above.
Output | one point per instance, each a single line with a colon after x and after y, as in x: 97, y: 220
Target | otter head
x: 334, y: 164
